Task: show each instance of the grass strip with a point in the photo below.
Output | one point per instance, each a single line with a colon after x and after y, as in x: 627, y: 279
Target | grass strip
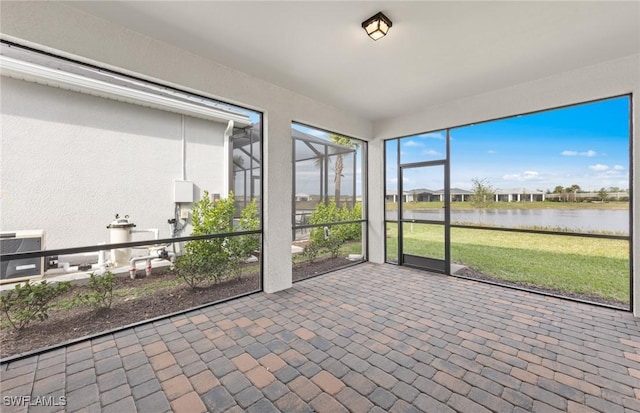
x: 578, y: 265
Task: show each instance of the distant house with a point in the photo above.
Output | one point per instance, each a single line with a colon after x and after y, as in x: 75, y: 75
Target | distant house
x: 455, y: 195
x: 392, y: 196
x: 464, y: 195
x: 586, y: 196
x: 301, y: 197
x: 519, y: 195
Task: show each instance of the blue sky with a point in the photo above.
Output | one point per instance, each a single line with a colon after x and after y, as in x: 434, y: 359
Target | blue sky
x: 587, y: 145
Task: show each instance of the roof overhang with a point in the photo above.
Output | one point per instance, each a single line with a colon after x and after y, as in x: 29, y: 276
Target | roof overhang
x: 33, y: 72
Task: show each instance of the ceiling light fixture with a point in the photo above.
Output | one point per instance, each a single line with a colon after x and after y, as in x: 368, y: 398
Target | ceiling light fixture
x: 377, y: 26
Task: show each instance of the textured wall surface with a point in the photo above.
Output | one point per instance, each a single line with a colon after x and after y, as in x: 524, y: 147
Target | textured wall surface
x: 70, y: 161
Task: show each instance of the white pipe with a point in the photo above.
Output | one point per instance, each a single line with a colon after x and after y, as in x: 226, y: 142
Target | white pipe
x: 132, y: 265
x: 160, y: 253
x: 67, y: 267
x: 74, y: 258
x: 227, y: 160
x: 184, y: 152
x: 154, y: 231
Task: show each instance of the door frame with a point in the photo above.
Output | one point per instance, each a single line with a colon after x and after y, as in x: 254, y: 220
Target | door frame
x: 426, y: 263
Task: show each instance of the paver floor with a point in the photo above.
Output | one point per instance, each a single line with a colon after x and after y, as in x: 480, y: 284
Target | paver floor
x: 370, y: 338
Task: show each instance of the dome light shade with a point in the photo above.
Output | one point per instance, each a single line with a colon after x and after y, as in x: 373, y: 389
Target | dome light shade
x: 377, y: 26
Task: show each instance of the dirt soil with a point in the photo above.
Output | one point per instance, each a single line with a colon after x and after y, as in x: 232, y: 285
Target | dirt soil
x: 65, y: 325
x: 305, y: 270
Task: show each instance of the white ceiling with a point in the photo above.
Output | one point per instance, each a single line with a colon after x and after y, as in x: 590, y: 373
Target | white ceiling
x: 435, y: 52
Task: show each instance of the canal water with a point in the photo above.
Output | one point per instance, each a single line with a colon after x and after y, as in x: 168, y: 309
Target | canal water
x: 578, y: 220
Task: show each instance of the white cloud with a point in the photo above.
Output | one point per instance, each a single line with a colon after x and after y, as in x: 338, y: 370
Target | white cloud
x: 598, y: 167
x: 413, y: 144
x: 491, y: 151
x: 618, y: 168
x: 433, y: 135
x: 589, y: 154
x: 524, y: 176
x: 430, y: 152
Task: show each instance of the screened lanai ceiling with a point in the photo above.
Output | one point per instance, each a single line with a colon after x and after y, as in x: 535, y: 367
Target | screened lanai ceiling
x: 436, y: 52
x: 309, y: 147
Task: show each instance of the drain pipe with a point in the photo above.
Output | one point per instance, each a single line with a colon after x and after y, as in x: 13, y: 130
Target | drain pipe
x: 66, y: 262
x: 184, y: 151
x: 160, y: 253
x: 227, y: 160
x: 147, y: 270
x: 154, y: 231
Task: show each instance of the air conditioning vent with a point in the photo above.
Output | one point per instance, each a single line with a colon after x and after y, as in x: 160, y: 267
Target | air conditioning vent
x: 21, y: 269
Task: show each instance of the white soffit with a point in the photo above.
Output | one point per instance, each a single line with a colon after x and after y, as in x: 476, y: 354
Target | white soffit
x: 436, y: 52
x: 31, y: 72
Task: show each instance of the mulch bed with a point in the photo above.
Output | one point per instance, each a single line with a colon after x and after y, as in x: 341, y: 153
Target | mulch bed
x: 65, y: 325
x: 304, y: 270
x: 78, y: 322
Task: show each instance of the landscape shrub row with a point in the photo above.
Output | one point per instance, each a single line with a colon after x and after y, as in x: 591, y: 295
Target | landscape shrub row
x: 331, y: 237
x: 32, y: 301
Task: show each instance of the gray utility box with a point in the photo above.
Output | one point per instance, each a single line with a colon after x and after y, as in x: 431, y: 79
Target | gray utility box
x: 21, y: 269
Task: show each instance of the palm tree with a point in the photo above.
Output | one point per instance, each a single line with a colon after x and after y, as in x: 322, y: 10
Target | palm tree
x: 339, y: 165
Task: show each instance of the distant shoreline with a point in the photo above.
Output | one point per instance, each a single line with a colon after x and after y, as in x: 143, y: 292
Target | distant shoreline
x: 613, y: 205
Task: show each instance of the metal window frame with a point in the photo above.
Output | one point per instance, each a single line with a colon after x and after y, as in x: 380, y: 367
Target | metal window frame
x: 629, y: 238
x: 324, y: 172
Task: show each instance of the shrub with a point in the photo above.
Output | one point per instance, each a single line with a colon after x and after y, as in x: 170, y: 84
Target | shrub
x: 101, y: 295
x: 218, y: 258
x: 192, y: 269
x: 241, y: 247
x: 311, y: 252
x: 28, y: 302
x: 331, y: 238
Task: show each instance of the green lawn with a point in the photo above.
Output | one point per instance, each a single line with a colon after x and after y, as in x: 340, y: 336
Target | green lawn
x: 594, y: 266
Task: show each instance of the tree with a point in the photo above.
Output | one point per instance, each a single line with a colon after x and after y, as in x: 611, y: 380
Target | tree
x: 483, y: 193
x: 339, y: 165
x: 603, y: 194
x: 574, y: 188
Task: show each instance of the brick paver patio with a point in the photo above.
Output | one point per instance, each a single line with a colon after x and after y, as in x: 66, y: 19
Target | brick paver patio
x: 369, y: 338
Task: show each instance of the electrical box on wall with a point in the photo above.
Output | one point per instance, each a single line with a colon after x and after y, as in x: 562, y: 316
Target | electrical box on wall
x: 183, y: 191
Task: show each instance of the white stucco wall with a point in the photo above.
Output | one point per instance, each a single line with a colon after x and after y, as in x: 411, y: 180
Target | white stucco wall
x: 604, y: 80
x: 70, y: 161
x: 68, y: 32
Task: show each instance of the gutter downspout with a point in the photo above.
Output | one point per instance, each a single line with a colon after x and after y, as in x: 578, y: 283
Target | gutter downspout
x: 184, y: 151
x: 227, y: 161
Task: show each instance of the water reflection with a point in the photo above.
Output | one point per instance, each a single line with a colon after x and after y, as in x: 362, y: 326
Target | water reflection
x: 579, y: 220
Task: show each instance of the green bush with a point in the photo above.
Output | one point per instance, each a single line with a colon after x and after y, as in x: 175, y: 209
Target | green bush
x: 214, y: 260
x: 311, y: 251
x: 28, y: 302
x: 241, y: 247
x: 192, y: 269
x: 331, y: 238
x: 101, y: 295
